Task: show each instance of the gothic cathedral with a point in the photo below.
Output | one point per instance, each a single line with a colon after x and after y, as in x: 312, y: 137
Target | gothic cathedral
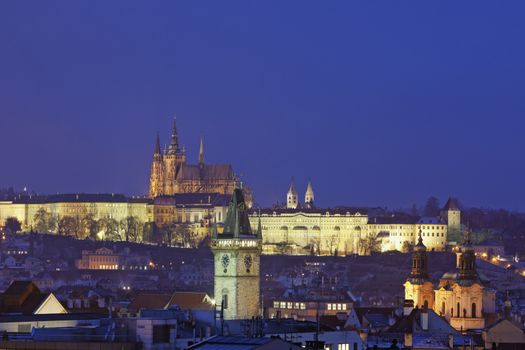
x: 171, y: 174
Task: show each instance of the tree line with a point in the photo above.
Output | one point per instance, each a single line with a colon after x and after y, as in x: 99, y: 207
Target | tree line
x: 129, y: 229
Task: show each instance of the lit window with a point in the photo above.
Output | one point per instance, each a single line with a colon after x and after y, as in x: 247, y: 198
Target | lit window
x: 303, y: 306
x: 329, y: 306
x: 343, y: 347
x: 276, y: 304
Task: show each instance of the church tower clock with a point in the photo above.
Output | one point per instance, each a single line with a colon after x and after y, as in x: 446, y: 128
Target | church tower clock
x: 237, y: 254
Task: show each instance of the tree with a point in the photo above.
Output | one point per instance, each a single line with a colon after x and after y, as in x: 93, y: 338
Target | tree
x: 407, y: 247
x: 314, y: 246
x: 89, y: 226
x: 369, y: 244
x: 131, y: 227
x: 185, y: 236
x: 110, y: 228
x: 168, y: 233
x: 151, y: 233
x: 45, y: 221
x: 13, y: 225
x: 432, y: 207
x: 52, y: 223
x: 69, y: 226
x: 331, y: 243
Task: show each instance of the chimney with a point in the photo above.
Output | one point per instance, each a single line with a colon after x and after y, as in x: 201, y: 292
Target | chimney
x: 408, y: 306
x: 424, y: 319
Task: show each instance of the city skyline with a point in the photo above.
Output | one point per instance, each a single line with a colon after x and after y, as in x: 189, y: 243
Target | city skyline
x: 374, y: 112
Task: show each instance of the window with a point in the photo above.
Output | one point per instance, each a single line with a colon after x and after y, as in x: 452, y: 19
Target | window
x: 343, y: 346
x: 473, y: 309
x: 329, y: 306
x: 283, y: 305
x: 344, y: 306
x: 303, y: 306
x: 161, y: 334
x: 276, y: 304
x: 225, y: 301
x: 289, y: 305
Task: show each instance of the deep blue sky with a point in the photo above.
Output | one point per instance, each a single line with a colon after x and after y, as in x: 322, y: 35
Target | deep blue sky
x: 379, y: 102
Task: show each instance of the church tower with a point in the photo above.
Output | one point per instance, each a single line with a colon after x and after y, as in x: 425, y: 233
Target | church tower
x: 452, y: 216
x: 174, y: 159
x: 461, y: 297
x: 309, y: 196
x: 291, y: 197
x: 237, y: 254
x: 157, y: 171
x: 418, y: 287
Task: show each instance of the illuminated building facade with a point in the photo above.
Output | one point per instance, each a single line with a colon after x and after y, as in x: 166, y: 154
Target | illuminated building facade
x: 236, y: 254
x: 171, y: 174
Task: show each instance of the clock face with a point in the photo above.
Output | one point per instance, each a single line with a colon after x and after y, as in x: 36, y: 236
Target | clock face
x: 225, y: 261
x: 248, y: 262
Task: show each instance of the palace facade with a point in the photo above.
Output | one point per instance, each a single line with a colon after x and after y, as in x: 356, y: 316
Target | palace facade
x: 305, y: 229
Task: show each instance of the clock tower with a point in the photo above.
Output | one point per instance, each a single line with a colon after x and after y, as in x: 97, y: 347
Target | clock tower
x: 237, y: 254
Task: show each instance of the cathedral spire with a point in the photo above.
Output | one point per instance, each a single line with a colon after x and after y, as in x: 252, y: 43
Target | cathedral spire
x: 201, y: 153
x: 157, y: 145
x: 174, y: 144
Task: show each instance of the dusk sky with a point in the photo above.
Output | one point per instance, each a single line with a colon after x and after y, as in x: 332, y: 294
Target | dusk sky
x: 380, y: 103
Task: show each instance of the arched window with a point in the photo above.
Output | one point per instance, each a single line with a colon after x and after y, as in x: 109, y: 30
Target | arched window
x: 425, y: 305
x: 443, y: 308
x: 473, y: 310
x: 224, y: 293
x: 458, y: 310
x: 465, y: 313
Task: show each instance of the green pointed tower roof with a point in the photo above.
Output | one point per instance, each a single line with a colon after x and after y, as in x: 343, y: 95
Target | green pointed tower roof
x: 237, y: 222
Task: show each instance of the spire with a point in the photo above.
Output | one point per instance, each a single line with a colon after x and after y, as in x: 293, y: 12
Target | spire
x: 420, y: 241
x: 237, y: 221
x: 157, y: 145
x: 419, y: 273
x: 291, y: 189
x: 174, y: 145
x: 467, y: 259
x: 309, y: 195
x: 201, y: 153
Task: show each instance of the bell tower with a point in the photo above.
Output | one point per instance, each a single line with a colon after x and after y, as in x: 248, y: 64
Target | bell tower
x: 157, y: 172
x: 237, y: 254
x: 418, y: 287
x: 291, y: 197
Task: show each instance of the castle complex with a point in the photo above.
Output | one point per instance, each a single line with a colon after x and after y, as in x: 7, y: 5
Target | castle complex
x: 299, y: 229
x: 170, y: 174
